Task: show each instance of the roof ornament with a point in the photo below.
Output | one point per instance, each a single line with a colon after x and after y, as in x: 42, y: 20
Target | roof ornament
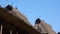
x: 58, y: 32
x: 37, y: 21
x: 9, y: 7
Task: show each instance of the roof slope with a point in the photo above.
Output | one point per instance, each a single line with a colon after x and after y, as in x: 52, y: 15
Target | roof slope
x: 17, y: 21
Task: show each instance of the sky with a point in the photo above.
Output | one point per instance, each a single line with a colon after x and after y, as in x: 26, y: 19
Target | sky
x: 47, y: 10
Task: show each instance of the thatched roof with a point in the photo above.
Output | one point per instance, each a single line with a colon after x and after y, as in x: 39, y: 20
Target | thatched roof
x: 18, y: 21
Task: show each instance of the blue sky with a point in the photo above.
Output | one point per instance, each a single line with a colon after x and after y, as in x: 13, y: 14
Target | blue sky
x: 47, y: 10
